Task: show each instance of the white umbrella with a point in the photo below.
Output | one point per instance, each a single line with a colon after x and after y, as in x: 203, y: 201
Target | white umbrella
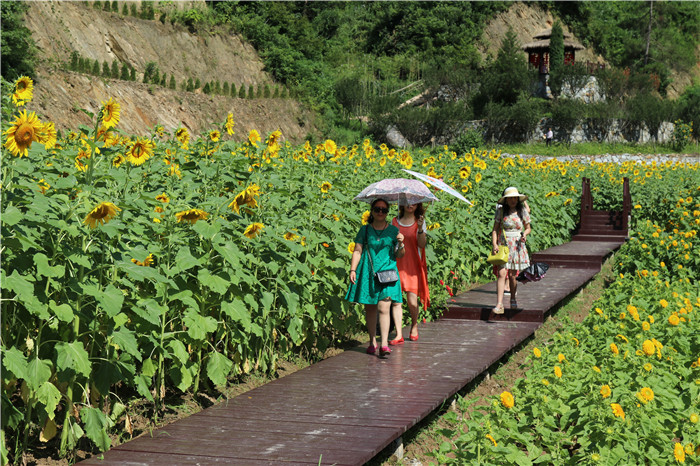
x: 397, y: 190
x: 438, y: 184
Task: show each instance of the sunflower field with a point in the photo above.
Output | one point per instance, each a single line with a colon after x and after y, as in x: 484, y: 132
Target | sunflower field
x: 134, y: 267
x: 622, y: 387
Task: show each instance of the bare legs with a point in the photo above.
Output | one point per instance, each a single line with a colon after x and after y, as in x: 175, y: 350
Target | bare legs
x: 382, y: 309
x: 397, y: 315
x: 500, y: 287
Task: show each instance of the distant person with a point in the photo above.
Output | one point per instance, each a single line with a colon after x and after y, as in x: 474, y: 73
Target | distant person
x: 384, y: 242
x: 413, y: 269
x: 549, y: 137
x: 511, y: 226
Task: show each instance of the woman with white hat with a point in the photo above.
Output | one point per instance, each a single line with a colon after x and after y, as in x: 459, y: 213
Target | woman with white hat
x: 510, y: 228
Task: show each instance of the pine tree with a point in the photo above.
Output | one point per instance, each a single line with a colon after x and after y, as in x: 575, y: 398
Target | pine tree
x: 164, y: 80
x: 74, y: 61
x: 556, y: 58
x: 241, y: 92
x: 133, y: 11
x: 190, y: 85
x: 258, y: 92
x: 233, y: 90
x: 225, y: 88
x: 251, y: 92
x: 125, y: 72
x: 106, y: 5
x: 115, y: 69
x: 125, y: 10
x: 172, y: 85
x: 115, y: 6
x: 206, y: 89
x: 217, y: 87
x: 276, y: 94
x: 96, y: 68
x: 132, y: 75
x: 197, y: 83
x: 97, y: 5
x: 266, y: 92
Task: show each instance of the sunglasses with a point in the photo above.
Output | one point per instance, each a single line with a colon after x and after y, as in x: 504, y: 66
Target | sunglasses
x: 382, y: 210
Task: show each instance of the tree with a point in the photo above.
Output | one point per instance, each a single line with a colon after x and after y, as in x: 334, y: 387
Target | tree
x: 197, y: 84
x: 251, y: 92
x: 132, y: 76
x: 566, y: 115
x: 96, y: 68
x: 225, y: 89
x: 74, y: 61
x: 133, y: 11
x: 266, y: 92
x: 241, y: 92
x: 115, y: 69
x: 172, y: 85
x: 190, y: 85
x: 18, y: 51
x: 556, y: 58
x: 207, y: 89
x: 115, y: 6
x: 276, y: 94
x: 124, y: 76
x: 233, y: 90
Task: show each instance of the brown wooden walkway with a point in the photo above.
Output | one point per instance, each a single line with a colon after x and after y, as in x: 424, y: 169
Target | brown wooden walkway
x: 346, y: 409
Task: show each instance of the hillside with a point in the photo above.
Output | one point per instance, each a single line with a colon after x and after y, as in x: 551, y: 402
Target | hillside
x: 61, y: 27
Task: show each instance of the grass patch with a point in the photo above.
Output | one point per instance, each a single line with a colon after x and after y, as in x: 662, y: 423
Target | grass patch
x: 591, y: 148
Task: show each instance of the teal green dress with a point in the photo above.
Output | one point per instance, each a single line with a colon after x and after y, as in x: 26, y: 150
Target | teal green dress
x: 381, y: 244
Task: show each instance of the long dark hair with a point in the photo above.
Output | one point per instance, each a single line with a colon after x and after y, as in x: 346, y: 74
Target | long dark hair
x: 370, y: 220
x: 418, y: 212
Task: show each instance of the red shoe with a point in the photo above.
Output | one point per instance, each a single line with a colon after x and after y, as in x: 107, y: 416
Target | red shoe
x: 398, y: 341
x: 413, y: 338
x: 371, y: 349
x: 384, y: 351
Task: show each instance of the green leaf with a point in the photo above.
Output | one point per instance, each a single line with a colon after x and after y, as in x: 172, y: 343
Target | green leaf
x: 141, y: 383
x: 43, y: 268
x: 137, y: 272
x: 125, y: 340
x: 149, y: 310
x: 72, y: 357
x: 183, y: 376
x: 238, y: 312
x: 96, y: 424
x: 294, y: 329
x: 63, y: 312
x: 230, y: 253
x: 292, y: 300
x: 81, y: 259
x: 178, y: 349
x: 184, y: 261
x: 148, y: 368
x: 185, y: 297
x: 49, y: 396
x: 213, y: 282
x: 11, y: 215
x: 38, y: 372
x: 198, y: 326
x: 111, y: 300
x: 218, y: 368
x: 266, y: 300
x: 14, y: 361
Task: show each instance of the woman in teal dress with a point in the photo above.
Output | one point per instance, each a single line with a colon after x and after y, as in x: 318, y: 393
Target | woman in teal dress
x: 385, y: 243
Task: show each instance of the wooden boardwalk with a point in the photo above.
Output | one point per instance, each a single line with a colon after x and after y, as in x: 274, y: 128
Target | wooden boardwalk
x: 346, y: 409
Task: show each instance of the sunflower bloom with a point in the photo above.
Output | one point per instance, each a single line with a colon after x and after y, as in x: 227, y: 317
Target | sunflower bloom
x: 351, y: 247
x: 183, y: 137
x: 254, y: 137
x: 20, y: 135
x: 648, y: 347
x: 678, y: 452
x: 110, y: 113
x: 102, y: 213
x: 289, y: 236
x: 614, y: 349
x: 488, y: 436
x: 674, y: 320
x: 645, y: 395
x: 325, y: 187
x: 605, y: 391
x: 82, y: 155
x: 507, y: 400
x: 537, y: 352
x: 365, y: 217
x: 146, y: 262
x: 191, y: 215
x: 253, y: 230
x: 163, y: 198
x: 215, y: 135
x: 617, y: 410
x: 557, y: 372
x: 24, y: 91
x: 47, y: 135
x: 330, y: 147
x: 229, y: 124
x: 141, y: 151
x: 118, y: 160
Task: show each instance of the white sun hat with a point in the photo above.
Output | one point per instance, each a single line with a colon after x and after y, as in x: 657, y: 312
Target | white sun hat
x: 511, y: 192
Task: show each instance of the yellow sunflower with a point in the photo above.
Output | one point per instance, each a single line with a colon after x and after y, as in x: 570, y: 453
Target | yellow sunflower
x: 20, y: 135
x: 118, y: 160
x: 183, y: 136
x: 254, y: 137
x: 24, y: 91
x: 253, y: 229
x: 229, y: 124
x: 464, y: 172
x: 110, y: 113
x: 330, y: 146
x: 605, y: 391
x: 163, y: 198
x: 146, y: 262
x: 645, y: 395
x: 141, y: 151
x: 102, y: 213
x: 191, y: 215
x: 174, y: 170
x: 82, y: 155
x: 325, y: 187
x: 289, y: 236
x: 507, y: 400
x: 215, y: 135
x: 47, y: 135
x: 617, y: 410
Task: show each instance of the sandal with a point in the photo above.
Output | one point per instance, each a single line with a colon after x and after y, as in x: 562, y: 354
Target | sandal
x: 398, y: 341
x: 384, y: 351
x: 371, y: 349
x: 498, y: 309
x: 513, y: 303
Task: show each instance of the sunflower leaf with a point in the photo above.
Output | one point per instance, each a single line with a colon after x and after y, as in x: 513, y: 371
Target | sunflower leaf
x: 218, y: 368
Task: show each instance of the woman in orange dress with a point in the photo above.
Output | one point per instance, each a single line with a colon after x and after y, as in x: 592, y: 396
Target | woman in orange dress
x: 413, y: 268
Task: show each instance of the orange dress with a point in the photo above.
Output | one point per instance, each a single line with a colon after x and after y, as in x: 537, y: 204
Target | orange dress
x: 413, y: 268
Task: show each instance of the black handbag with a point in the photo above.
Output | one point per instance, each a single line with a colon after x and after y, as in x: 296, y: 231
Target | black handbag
x: 384, y: 277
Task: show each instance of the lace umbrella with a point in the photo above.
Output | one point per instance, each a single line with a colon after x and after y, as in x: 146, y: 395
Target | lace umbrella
x: 400, y: 191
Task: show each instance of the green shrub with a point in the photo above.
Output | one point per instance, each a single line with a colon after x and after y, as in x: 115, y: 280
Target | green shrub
x: 468, y: 139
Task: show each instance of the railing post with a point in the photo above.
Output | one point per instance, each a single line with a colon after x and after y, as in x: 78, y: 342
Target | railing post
x: 626, y: 203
